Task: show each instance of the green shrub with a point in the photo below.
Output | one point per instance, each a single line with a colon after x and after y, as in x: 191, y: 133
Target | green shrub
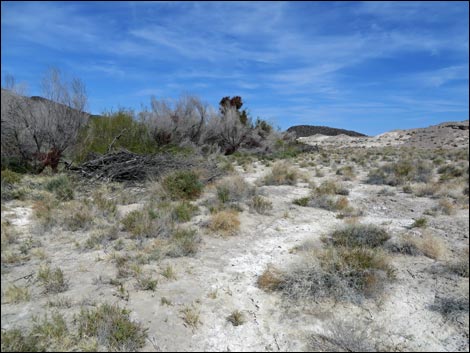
x: 419, y: 223
x: 183, y: 211
x: 101, y: 131
x: 183, y: 185
x: 303, y: 201
x: 9, y: 177
x: 360, y: 235
x: 61, y: 186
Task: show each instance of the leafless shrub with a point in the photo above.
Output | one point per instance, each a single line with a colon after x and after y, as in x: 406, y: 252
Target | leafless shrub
x: 41, y: 130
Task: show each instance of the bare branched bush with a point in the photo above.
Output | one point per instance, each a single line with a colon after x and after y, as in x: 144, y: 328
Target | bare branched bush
x: 40, y: 130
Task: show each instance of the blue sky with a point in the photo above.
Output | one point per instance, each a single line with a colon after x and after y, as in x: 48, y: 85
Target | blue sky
x: 365, y: 66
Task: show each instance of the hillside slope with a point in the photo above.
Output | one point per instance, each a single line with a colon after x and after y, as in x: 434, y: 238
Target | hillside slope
x: 310, y: 130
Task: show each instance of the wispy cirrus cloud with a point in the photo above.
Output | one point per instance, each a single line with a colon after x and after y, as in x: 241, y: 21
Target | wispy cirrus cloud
x: 339, y: 59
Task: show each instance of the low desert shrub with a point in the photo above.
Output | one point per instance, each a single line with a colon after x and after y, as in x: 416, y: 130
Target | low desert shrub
x: 233, y: 189
x: 360, y: 235
x: 282, y: 173
x: 184, y: 211
x: 261, y: 204
x: 53, y: 280
x: 431, y: 246
x: 61, y: 187
x: 183, y: 242
x: 9, y: 177
x: 419, y: 223
x: 112, y: 327
x: 225, y: 222
x: 341, y: 273
x: 183, y: 185
x: 303, y: 201
x: 76, y: 215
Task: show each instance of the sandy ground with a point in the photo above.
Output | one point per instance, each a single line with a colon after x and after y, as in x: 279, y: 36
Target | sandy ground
x: 222, y: 276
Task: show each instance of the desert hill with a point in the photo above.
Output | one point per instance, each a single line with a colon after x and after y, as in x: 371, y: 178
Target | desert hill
x: 310, y: 130
x: 444, y: 135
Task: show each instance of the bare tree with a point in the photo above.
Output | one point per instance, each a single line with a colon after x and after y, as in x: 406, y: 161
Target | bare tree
x: 42, y: 128
x: 175, y: 123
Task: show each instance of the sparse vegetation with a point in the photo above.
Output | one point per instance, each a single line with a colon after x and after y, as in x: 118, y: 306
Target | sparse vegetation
x: 261, y: 204
x: 360, y: 235
x: 53, y: 280
x: 282, y: 173
x: 225, y: 222
x: 190, y: 316
x: 182, y: 185
x: 112, y: 328
x: 236, y: 318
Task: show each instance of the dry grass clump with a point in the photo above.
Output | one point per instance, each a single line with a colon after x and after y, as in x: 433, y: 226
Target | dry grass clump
x: 52, y: 335
x: 445, y: 206
x: 236, y: 318
x: 112, y: 327
x: 347, y: 172
x: 460, y: 265
x: 282, y: 173
x: 405, y: 245
x: 343, y: 337
x: 360, y: 235
x: 271, y: 279
x: 146, y: 283
x: 15, y: 294
x: 328, y: 202
x: 233, y: 189
x: 400, y: 172
x: 225, y: 222
x: 191, y: 316
x: 183, y: 242
x: 53, y: 280
x: 330, y: 187
x: 148, y: 222
x: 261, y: 204
x: 45, y: 211
x: 431, y: 246
x: 76, y: 215
x: 427, y: 190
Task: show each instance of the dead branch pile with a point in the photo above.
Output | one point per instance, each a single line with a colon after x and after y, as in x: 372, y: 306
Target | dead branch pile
x: 128, y: 166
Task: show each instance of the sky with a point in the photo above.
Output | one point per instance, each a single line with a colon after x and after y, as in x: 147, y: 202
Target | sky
x: 365, y: 66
